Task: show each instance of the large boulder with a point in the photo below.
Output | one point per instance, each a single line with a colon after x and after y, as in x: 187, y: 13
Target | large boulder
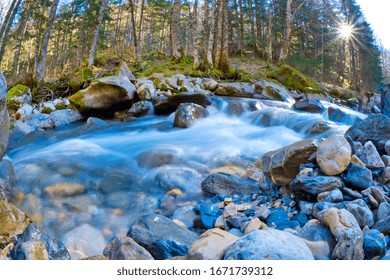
x: 235, y: 89
x: 163, y: 238
x: 105, y: 94
x: 4, y: 119
x: 309, y: 105
x: 124, y: 71
x: 375, y: 128
x: 269, y: 90
x: 282, y: 166
x: 189, y: 97
x: 187, y: 113
x: 334, y: 155
x: 269, y: 244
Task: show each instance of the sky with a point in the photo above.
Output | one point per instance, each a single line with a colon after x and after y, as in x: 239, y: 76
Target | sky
x: 377, y: 14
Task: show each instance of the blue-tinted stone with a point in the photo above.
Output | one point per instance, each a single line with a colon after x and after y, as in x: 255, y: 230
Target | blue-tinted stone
x: 373, y: 245
x: 359, y: 177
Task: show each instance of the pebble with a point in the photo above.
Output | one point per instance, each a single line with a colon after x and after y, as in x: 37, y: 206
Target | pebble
x: 230, y: 211
x: 262, y: 213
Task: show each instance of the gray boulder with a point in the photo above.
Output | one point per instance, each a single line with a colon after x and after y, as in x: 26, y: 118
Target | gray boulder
x: 65, y: 116
x: 361, y: 212
x: 268, y: 244
x: 370, y: 156
x: 125, y: 248
x: 315, y: 185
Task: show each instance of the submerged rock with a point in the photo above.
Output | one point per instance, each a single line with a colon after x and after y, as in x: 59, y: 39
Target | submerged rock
x: 163, y: 238
x: 334, y: 155
x: 187, y: 113
x: 282, y: 166
x: 84, y: 241
x: 268, y: 244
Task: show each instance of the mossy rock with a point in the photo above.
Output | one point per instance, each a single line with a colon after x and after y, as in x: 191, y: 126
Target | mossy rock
x: 293, y: 79
x: 47, y: 110
x: 18, y: 90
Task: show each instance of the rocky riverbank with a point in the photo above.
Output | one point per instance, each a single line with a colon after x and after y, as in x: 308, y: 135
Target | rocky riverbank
x: 323, y: 197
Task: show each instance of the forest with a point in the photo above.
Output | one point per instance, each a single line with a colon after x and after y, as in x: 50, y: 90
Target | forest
x: 329, y: 40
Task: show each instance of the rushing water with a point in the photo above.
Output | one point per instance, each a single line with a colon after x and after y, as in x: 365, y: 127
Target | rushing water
x: 127, y: 167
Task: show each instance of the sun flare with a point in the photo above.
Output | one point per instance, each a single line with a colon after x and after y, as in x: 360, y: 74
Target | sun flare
x: 346, y: 31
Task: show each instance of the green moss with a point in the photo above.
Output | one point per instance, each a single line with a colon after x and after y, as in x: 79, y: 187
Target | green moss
x: 272, y: 92
x: 79, y: 76
x: 77, y: 99
x: 18, y: 90
x: 294, y: 79
x: 13, y: 105
x: 47, y: 110
x: 60, y: 106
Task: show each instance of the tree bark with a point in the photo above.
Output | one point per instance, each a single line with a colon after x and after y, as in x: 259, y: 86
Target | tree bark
x: 196, y: 36
x: 206, y: 25
x: 218, y: 34
x: 175, y: 31
x: 40, y: 71
x: 209, y: 51
x: 4, y: 32
x: 7, y: 18
x: 95, y: 38
x: 284, y: 50
x: 224, y: 57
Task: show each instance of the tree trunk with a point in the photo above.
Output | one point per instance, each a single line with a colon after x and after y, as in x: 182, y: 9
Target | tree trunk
x: 7, y: 18
x: 40, y: 71
x: 209, y: 51
x: 224, y: 59
x: 141, y: 18
x: 270, y: 37
x: 175, y: 31
x: 195, y: 34
x: 95, y: 38
x: 284, y: 50
x: 206, y: 26
x: 241, y: 27
x: 218, y: 34
x: 7, y: 27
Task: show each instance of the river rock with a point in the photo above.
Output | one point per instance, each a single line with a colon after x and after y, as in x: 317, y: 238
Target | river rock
x: 374, y: 245
x: 235, y: 89
x: 163, y: 238
x: 146, y: 91
x: 221, y: 183
x: 309, y: 105
x: 55, y: 249
x: 34, y: 250
x: 209, y: 84
x: 141, y: 108
x: 386, y: 175
x: 279, y: 219
x: 319, y: 248
x: 156, y: 158
x: 386, y: 104
x: 386, y: 160
x: 370, y: 156
x: 65, y: 189
x: 383, y: 225
x: 333, y: 196
x: 124, y: 71
x: 268, y: 244
x: 65, y: 116
x: 211, y: 245
x: 341, y: 116
x: 315, y: 185
x: 361, y: 212
x: 387, y: 147
x: 187, y: 113
x: 189, y: 97
x: 269, y: 90
x: 282, y: 166
x: 13, y: 222
x: 105, y: 94
x: 347, y: 232
x: 383, y: 210
x: 186, y: 215
x: 125, y: 248
x: 334, y: 155
x: 208, y: 213
x: 375, y: 128
x: 359, y: 177
x: 84, y: 241
x: 314, y: 230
